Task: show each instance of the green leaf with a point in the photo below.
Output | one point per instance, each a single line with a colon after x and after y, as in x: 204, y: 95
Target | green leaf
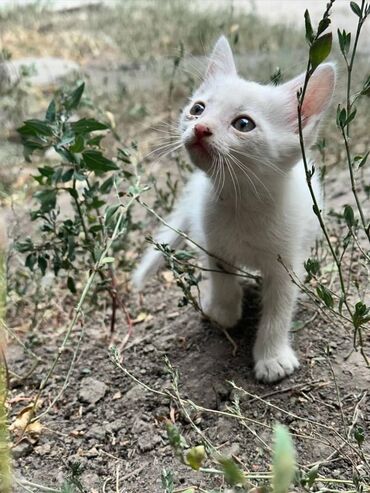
x: 309, y: 31
x: 320, y: 50
x: 72, y: 100
x: 71, y: 285
x: 175, y: 438
x: 283, y: 460
x: 86, y: 125
x: 312, y: 475
x: 341, y: 116
x: 31, y: 260
x: 356, y: 9
x: 325, y: 296
x: 233, y: 474
x: 323, y: 25
x: 363, y: 160
x: 95, y: 161
x: 195, y: 457
x: 36, y: 128
x: 359, y: 434
x: 107, y: 260
x: 51, y: 112
x: 107, y: 185
x: 366, y: 87
x: 344, y: 41
x: 123, y: 155
x: 95, y: 141
x: 349, y: 216
x: 78, y: 145
x: 24, y: 246
x: 47, y: 199
x: 42, y: 263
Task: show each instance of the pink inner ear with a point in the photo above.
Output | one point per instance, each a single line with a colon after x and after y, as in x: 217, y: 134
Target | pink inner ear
x: 318, y: 93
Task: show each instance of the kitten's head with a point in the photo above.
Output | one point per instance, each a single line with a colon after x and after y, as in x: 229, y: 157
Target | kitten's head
x: 248, y: 125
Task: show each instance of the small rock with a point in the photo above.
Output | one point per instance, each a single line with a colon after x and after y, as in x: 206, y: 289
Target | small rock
x: 97, y: 432
x: 148, y: 442
x: 114, y: 426
x: 91, y: 390
x: 43, y: 449
x: 22, y: 449
x: 135, y: 394
x: 90, y: 480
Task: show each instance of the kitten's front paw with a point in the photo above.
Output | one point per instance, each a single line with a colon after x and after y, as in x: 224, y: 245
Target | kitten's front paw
x: 225, y: 316
x: 273, y: 368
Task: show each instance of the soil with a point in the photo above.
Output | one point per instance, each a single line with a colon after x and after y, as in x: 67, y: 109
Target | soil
x: 115, y: 429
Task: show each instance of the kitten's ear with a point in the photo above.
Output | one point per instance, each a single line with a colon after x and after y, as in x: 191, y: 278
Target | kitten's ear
x: 221, y: 60
x: 318, y: 95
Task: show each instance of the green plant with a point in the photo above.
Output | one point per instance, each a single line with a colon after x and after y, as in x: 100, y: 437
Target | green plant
x: 74, y: 239
x: 348, y: 240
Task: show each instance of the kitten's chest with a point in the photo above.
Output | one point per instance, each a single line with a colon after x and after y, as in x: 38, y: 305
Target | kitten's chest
x: 247, y: 232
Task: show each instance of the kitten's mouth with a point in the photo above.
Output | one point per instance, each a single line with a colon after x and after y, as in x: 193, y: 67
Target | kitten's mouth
x: 199, y: 146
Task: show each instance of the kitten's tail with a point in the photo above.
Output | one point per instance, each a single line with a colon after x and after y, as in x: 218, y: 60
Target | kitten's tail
x: 153, y: 259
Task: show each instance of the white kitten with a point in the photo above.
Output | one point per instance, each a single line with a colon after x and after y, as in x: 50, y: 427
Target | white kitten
x: 248, y: 202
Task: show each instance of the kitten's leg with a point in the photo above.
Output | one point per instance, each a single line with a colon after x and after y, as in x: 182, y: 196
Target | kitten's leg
x: 273, y: 355
x: 222, y: 296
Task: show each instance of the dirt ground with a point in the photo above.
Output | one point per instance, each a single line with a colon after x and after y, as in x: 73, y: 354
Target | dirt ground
x: 114, y: 428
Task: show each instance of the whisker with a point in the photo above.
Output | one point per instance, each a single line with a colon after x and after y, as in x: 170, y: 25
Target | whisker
x: 245, y: 172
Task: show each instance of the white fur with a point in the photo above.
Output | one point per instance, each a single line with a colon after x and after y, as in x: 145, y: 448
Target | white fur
x: 248, y: 202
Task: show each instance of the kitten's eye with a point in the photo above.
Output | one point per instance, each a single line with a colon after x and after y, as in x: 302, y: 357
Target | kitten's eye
x: 243, y: 124
x: 197, y: 109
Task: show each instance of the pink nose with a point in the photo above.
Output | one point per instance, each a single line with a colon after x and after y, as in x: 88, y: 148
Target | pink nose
x: 202, y: 130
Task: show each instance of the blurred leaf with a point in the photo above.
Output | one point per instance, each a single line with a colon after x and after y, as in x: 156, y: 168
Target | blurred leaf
x: 22, y: 422
x: 95, y: 161
x: 47, y: 199
x: 50, y: 114
x: 78, y: 145
x: 36, y: 128
x: 177, y: 441
x: 123, y: 155
x: 323, y: 25
x: 359, y: 434
x: 283, y: 460
x: 42, y: 263
x: 110, y: 212
x: 195, y: 457
x: 72, y: 100
x: 233, y: 474
x: 309, y: 31
x: 107, y: 185
x: 363, y: 159
x: 311, y: 475
x: 276, y: 77
x: 86, y: 125
x: 344, y: 41
x: 320, y: 50
x: 356, y: 9
x: 325, y: 296
x: 349, y: 216
x: 71, y: 285
x: 107, y: 260
x: 24, y: 246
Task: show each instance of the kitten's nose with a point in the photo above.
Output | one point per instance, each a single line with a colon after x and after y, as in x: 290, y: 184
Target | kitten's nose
x: 201, y: 131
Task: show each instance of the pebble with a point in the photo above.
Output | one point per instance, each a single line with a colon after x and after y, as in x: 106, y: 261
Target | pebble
x: 21, y: 450
x: 91, y: 390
